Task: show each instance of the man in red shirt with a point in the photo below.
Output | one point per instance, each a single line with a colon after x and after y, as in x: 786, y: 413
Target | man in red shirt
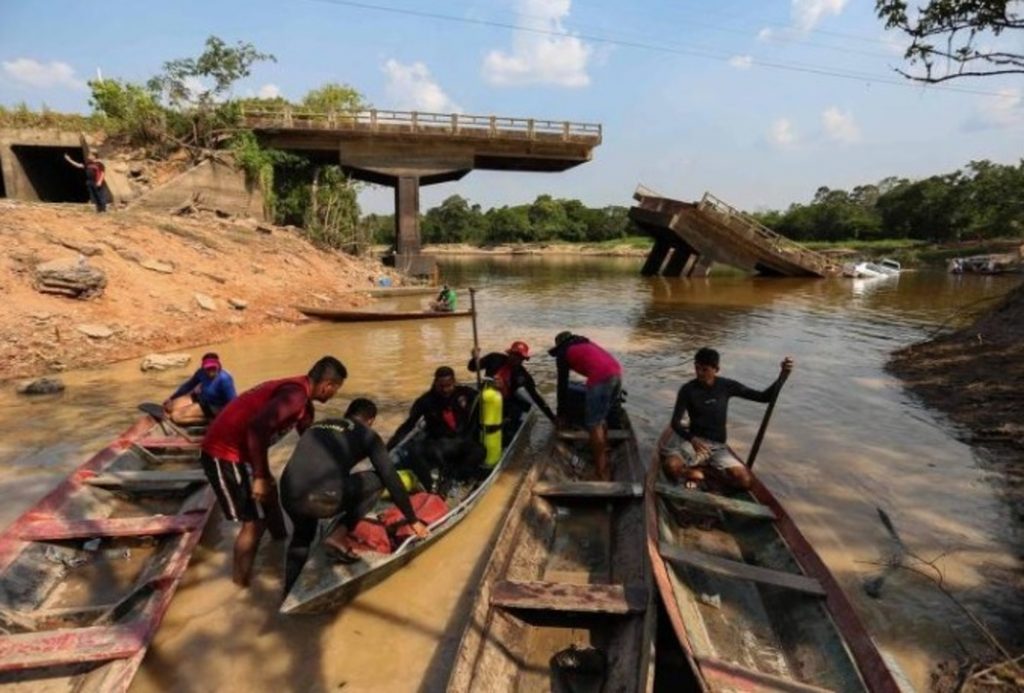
x: 234, y: 451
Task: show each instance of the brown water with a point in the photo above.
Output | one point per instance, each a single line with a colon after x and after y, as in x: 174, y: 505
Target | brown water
x: 844, y: 440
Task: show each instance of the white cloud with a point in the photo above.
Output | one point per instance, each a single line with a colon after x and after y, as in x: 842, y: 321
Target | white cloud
x: 269, y: 91
x: 411, y: 87
x: 741, y: 62
x: 1006, y: 110
x: 840, y: 126
x: 42, y: 75
x: 807, y: 13
x: 766, y: 34
x: 540, y: 58
x: 782, y: 133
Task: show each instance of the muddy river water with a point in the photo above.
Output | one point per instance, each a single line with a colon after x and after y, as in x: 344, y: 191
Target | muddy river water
x: 845, y: 440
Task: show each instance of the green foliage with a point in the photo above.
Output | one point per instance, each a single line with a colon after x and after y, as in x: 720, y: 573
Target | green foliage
x: 185, y: 82
x: 131, y: 110
x: 953, y: 38
x: 259, y: 163
x: 21, y: 116
x: 335, y: 97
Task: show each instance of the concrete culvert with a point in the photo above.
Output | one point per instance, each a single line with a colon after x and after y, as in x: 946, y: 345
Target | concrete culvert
x: 48, y: 176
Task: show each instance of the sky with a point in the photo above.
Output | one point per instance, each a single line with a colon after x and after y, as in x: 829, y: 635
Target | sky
x: 758, y: 101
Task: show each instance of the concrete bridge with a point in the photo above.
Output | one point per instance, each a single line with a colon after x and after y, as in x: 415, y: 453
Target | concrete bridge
x: 407, y: 149
x: 689, y: 237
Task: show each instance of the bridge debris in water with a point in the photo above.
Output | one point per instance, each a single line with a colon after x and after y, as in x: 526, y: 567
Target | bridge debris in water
x: 689, y: 237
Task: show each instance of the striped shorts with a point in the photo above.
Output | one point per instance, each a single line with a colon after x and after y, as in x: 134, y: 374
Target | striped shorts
x: 232, y: 483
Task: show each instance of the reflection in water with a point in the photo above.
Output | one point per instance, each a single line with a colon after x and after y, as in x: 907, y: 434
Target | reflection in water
x: 845, y: 439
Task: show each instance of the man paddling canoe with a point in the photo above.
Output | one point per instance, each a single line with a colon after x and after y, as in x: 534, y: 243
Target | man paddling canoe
x: 698, y: 451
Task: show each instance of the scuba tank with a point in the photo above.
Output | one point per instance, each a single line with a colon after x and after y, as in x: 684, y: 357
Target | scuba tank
x: 490, y: 421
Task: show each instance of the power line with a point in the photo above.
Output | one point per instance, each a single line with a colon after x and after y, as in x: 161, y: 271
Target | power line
x: 700, y: 52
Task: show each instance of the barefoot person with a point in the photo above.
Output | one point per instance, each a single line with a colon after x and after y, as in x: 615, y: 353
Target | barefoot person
x: 604, y: 385
x: 318, y: 483
x: 234, y: 450
x: 692, y: 453
x: 204, y: 395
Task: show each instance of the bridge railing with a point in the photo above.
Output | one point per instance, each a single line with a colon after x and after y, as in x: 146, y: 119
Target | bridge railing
x: 425, y: 123
x: 758, y: 232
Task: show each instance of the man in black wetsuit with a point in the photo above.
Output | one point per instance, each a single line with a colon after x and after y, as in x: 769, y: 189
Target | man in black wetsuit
x: 511, y: 376
x: 686, y: 451
x: 318, y: 483
x: 451, y: 445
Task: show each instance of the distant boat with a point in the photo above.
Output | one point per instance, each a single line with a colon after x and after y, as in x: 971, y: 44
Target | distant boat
x: 404, y: 291
x: 868, y: 270
x: 378, y: 316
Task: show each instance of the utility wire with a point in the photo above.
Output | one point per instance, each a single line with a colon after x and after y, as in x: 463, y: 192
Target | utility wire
x: 710, y: 54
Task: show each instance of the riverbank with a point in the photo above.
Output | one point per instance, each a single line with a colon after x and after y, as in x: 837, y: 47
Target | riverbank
x: 170, y: 282
x: 627, y: 247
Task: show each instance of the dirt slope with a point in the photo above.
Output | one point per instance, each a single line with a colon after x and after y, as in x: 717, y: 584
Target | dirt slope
x: 269, y: 268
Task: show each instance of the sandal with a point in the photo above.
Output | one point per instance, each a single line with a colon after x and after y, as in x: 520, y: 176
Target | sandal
x: 343, y: 556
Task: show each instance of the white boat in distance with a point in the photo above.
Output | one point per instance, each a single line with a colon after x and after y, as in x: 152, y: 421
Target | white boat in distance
x: 865, y: 270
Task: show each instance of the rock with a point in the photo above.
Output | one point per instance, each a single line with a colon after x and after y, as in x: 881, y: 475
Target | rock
x: 264, y: 229
x: 40, y: 316
x: 95, y: 331
x: 161, y: 362
x: 236, y: 320
x: 321, y: 298
x: 157, y: 266
x: 238, y: 304
x: 74, y: 278
x: 205, y: 302
x: 41, y: 386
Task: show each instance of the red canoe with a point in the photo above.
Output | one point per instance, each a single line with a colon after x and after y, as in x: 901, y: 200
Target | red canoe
x: 88, y: 572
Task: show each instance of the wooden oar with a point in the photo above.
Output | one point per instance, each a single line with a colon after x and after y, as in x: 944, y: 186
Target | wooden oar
x: 764, y: 421
x: 476, y: 339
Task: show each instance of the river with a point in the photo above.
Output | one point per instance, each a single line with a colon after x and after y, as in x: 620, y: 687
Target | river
x: 845, y: 439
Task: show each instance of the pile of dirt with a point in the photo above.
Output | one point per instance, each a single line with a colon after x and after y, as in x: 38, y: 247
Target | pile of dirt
x: 975, y: 375
x: 171, y: 282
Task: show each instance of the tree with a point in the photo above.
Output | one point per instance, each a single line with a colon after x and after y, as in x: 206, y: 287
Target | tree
x: 452, y: 221
x: 133, y: 110
x: 334, y: 97
x: 956, y: 34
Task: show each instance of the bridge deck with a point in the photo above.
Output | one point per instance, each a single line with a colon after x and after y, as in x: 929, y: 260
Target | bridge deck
x: 713, y: 231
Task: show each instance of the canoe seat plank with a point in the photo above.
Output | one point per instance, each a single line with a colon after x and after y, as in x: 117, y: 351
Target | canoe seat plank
x: 58, y: 529
x: 589, y: 489
x: 172, y: 443
x: 70, y: 646
x: 150, y: 479
x: 743, y: 571
x: 728, y: 675
x: 713, y: 500
x: 616, y: 434
x: 562, y: 596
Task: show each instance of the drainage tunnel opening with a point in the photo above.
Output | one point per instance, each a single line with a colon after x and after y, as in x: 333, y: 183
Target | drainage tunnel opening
x: 3, y: 188
x: 52, y: 178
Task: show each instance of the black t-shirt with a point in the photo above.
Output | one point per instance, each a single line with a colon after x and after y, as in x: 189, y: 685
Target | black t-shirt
x: 708, y: 407
x: 445, y: 417
x: 326, y: 454
x: 518, y: 377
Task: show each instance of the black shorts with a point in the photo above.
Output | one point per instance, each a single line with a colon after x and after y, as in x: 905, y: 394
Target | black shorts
x: 232, y: 482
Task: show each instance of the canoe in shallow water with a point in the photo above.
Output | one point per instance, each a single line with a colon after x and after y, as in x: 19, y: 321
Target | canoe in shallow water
x: 370, y: 316
x: 404, y: 291
x: 566, y: 601
x: 88, y: 572
x: 324, y: 585
x: 751, y: 603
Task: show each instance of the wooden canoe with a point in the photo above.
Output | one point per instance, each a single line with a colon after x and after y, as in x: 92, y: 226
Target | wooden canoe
x: 751, y: 603
x: 370, y: 316
x: 568, y: 578
x: 88, y: 572
x: 404, y: 291
x: 324, y: 585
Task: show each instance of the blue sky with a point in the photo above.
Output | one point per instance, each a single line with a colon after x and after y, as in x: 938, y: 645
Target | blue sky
x: 692, y: 94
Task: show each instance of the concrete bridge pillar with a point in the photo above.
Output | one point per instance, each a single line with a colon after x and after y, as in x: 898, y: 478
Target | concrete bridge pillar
x: 655, y: 258
x: 407, y: 216
x: 676, y: 263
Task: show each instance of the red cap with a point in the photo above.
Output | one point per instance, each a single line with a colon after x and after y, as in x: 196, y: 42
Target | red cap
x: 521, y: 348
x: 211, y: 362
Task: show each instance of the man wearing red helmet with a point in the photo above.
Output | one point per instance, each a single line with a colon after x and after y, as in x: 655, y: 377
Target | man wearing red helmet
x: 512, y: 378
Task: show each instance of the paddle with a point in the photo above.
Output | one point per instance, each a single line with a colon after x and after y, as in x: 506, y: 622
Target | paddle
x: 476, y: 339
x: 764, y: 421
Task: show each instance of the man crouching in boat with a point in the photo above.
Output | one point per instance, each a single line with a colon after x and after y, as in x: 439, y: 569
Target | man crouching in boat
x: 318, y: 483
x: 451, y: 445
x: 234, y: 451
x: 204, y: 395
x: 689, y: 453
x: 513, y: 380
